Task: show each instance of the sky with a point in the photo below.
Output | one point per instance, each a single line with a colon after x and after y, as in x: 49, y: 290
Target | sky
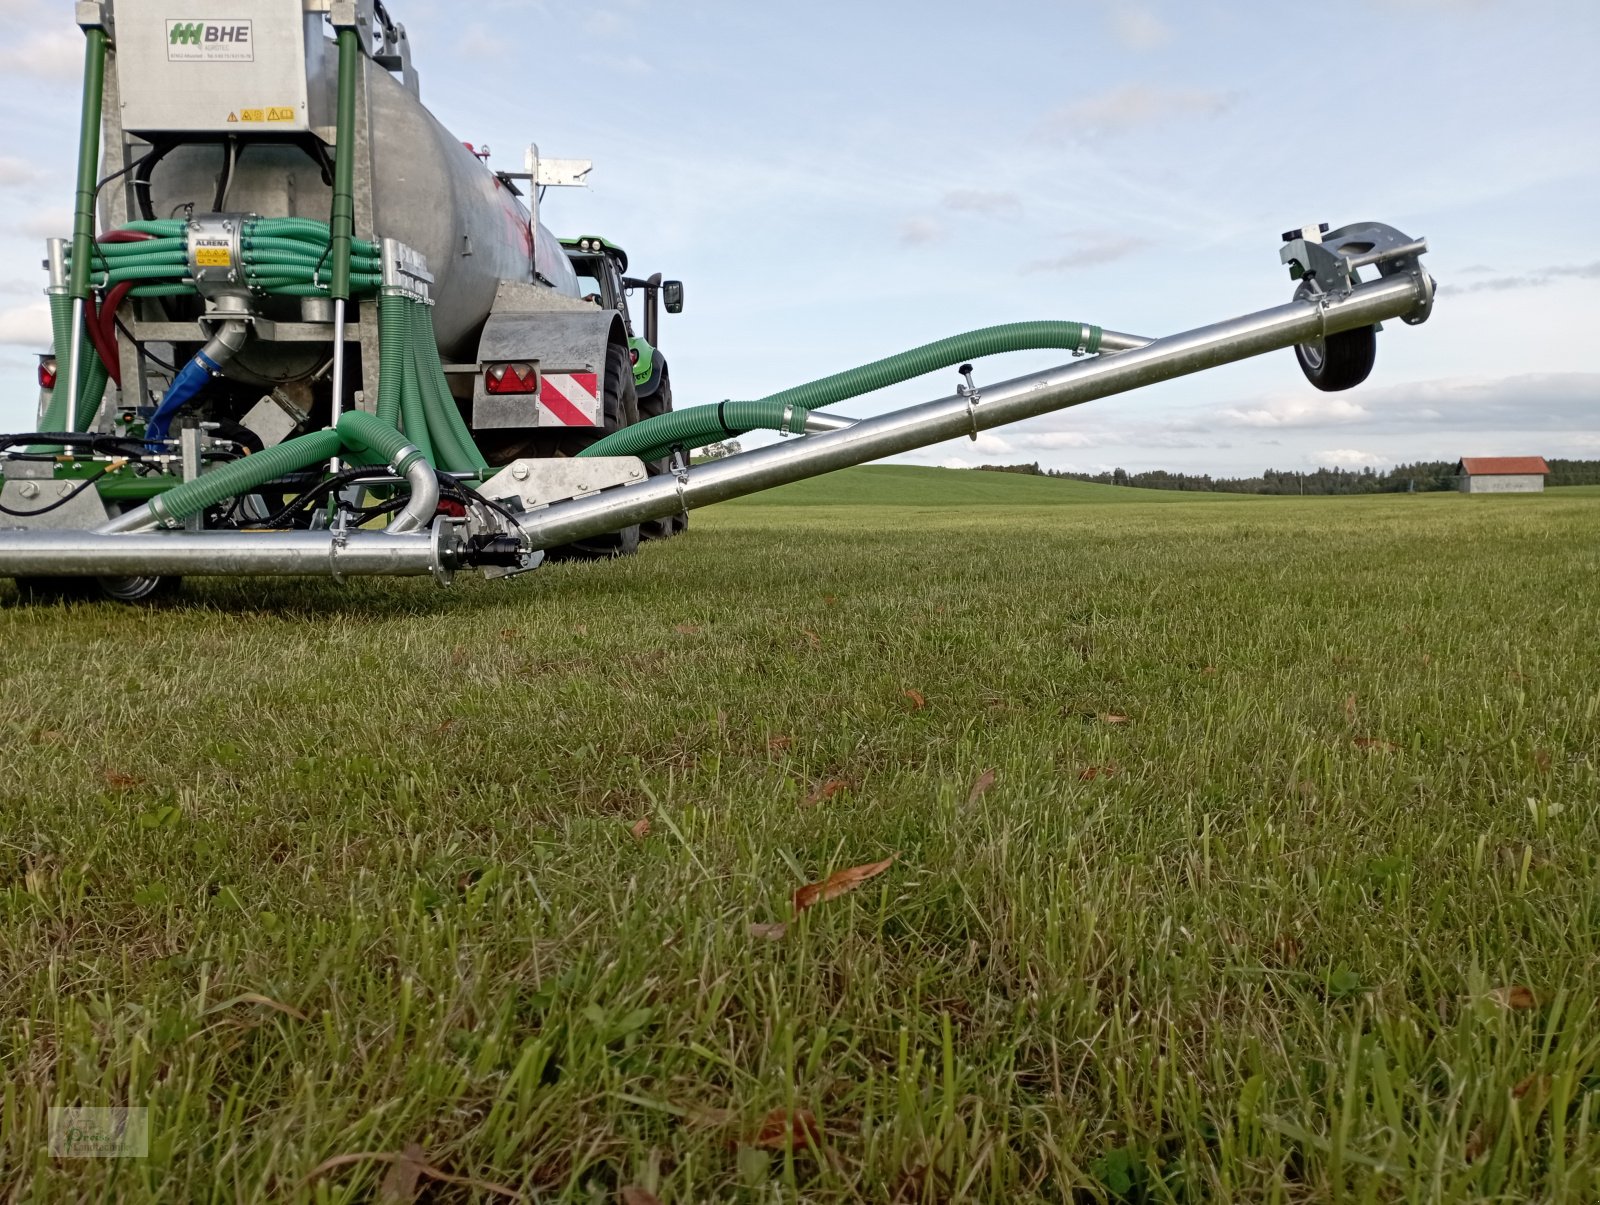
x: 836, y: 182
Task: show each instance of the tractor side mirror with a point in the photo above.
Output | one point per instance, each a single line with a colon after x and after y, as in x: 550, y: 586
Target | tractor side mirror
x: 672, y: 296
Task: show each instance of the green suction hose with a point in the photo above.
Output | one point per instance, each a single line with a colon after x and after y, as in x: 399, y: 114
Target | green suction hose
x: 357, y: 431
x: 786, y: 411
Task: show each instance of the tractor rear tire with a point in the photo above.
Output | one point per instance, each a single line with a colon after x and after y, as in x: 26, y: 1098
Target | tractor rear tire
x: 658, y: 403
x: 621, y: 410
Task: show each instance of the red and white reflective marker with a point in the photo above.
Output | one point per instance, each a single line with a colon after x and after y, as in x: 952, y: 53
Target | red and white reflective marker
x: 570, y: 399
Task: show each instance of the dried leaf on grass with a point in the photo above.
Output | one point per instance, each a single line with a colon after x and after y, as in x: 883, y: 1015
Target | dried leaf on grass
x: 686, y: 629
x: 1112, y: 717
x: 1530, y: 1082
x: 782, y: 1128
x: 399, y: 1185
x: 257, y: 998
x: 838, y: 883
x: 417, y: 1167
x: 706, y: 1117
x: 1373, y: 742
x: 776, y: 743
x: 980, y: 785
x: 119, y: 781
x: 812, y: 637
x: 640, y: 828
x: 1515, y: 998
x: 772, y: 932
x: 634, y: 1195
x: 917, y: 701
x: 1090, y: 773
x: 1477, y: 1143
x: 1350, y: 708
x: 825, y: 791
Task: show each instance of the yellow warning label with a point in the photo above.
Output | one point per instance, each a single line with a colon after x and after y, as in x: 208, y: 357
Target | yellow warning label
x: 252, y: 114
x: 233, y: 117
x: 212, y: 257
x: 280, y: 113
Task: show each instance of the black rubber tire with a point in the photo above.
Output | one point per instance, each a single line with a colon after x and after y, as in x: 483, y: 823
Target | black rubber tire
x: 658, y: 403
x: 43, y: 591
x: 621, y: 410
x: 1340, y: 361
x: 137, y: 590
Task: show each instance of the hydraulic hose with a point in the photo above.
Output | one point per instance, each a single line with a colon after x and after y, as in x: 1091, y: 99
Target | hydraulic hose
x: 786, y: 411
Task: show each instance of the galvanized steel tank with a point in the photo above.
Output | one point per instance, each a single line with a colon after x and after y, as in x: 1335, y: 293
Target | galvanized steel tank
x: 428, y: 191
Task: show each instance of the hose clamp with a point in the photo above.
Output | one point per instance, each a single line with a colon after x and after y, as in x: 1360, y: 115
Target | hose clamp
x: 969, y: 391
x: 788, y: 417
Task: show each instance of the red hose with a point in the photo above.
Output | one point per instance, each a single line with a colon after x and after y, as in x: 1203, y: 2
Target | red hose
x: 101, y: 326
x: 101, y: 323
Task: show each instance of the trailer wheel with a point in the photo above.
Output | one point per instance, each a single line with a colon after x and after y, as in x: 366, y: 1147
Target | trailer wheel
x: 141, y: 589
x: 1340, y: 361
x: 621, y: 410
x: 658, y: 403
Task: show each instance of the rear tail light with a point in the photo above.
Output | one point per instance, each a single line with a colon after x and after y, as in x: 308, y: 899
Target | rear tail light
x: 515, y: 376
x: 47, y: 372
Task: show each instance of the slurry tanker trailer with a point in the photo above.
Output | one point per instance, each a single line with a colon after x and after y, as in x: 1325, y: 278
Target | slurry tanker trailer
x: 301, y: 329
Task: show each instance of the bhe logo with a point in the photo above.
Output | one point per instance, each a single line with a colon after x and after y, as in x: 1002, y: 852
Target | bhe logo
x: 223, y: 40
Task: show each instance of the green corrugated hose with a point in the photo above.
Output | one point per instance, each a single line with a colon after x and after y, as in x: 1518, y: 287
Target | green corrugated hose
x: 357, y: 432
x: 786, y: 411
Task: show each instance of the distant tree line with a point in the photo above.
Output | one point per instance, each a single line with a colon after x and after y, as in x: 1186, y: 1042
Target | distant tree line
x: 1421, y: 477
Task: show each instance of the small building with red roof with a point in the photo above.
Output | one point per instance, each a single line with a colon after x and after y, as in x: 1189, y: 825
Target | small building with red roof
x: 1501, y: 474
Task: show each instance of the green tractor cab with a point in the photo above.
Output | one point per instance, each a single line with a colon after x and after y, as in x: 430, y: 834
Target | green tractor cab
x: 602, y: 268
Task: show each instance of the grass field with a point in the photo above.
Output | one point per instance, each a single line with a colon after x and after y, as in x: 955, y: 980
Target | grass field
x: 1243, y: 849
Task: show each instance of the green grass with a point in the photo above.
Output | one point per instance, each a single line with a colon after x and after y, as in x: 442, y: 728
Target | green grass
x: 313, y: 871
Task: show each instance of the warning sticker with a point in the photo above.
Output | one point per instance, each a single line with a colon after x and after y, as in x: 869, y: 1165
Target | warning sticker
x: 227, y: 40
x: 252, y: 114
x: 212, y: 257
x: 280, y: 113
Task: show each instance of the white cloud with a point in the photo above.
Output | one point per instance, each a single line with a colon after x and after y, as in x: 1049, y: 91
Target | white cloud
x: 1139, y: 28
x: 1534, y: 279
x: 1096, y: 249
x: 1128, y: 107
x: 26, y: 326
x: 978, y: 200
x: 1293, y: 410
x: 1346, y: 458
x: 916, y: 232
x: 992, y: 443
x: 1051, y: 440
x: 15, y: 172
x: 49, y: 223
x: 52, y: 54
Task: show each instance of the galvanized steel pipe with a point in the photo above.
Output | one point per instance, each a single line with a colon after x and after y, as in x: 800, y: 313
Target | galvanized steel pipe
x: 949, y: 418
x: 39, y: 553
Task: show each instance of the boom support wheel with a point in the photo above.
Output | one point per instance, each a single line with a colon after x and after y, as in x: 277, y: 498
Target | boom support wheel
x: 1336, y: 362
